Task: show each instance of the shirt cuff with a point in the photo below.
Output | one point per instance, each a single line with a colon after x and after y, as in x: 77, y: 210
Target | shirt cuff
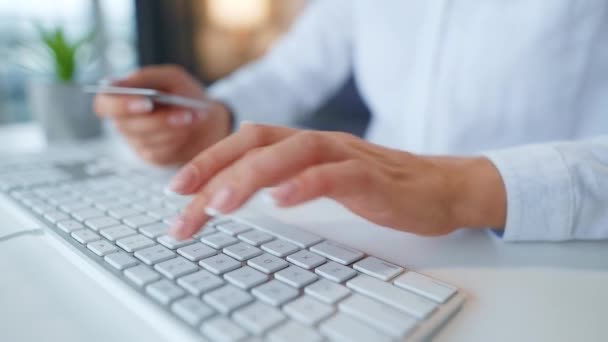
x: 539, y: 193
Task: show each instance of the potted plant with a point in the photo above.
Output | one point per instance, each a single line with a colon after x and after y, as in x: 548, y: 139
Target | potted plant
x: 57, y: 102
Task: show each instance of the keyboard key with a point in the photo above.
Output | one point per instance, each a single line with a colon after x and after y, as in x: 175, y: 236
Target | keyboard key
x: 56, y: 216
x: 117, y: 232
x: 306, y: 259
x: 74, y: 206
x: 102, y: 247
x: 426, y: 286
x: 295, y: 276
x: 101, y: 222
x: 255, y: 237
x: 141, y: 275
x: 161, y: 212
x: 246, y: 277
x: 280, y: 248
x: 218, y: 240
x: 164, y: 291
x: 200, y: 282
x: 220, y: 264
x: 205, y: 231
x: 110, y: 203
x: 85, y: 236
x: 381, y: 316
x: 307, y: 310
x: 154, y: 230
x: 275, y: 293
x: 295, y: 235
x: 389, y: 294
x: 134, y: 243
x: 172, y: 243
x: 227, y: 298
x: 258, y: 318
x: 120, y: 260
x: 267, y: 263
x: 176, y: 267
x: 43, y: 208
x: 123, y: 212
x: 85, y: 214
x: 223, y: 329
x: 378, y: 268
x: 343, y: 327
x: 327, y: 291
x: 337, y: 252
x: 192, y: 310
x: 242, y: 251
x: 69, y: 226
x: 232, y: 228
x: 171, y: 219
x: 294, y: 332
x: 196, y: 251
x: 335, y: 272
x: 139, y: 221
x: 153, y: 255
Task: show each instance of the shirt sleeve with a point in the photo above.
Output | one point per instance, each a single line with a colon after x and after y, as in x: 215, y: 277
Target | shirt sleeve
x: 299, y: 73
x: 555, y: 191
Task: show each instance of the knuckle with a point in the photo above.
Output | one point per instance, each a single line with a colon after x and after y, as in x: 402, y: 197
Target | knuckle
x: 363, y: 176
x: 255, y: 133
x: 344, y: 136
x: 310, y: 139
x: 318, y: 178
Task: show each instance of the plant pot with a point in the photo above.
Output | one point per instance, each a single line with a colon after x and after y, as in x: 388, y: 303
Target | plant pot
x: 64, y: 112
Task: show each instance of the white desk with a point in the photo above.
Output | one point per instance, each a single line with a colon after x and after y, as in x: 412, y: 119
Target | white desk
x: 516, y: 292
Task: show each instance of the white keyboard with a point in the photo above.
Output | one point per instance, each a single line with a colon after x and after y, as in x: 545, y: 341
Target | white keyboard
x: 238, y: 279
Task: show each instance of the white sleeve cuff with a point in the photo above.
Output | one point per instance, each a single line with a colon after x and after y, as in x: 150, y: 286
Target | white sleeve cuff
x: 540, y: 195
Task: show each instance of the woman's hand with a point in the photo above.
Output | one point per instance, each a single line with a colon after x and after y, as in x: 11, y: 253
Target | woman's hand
x: 423, y: 195
x: 164, y: 134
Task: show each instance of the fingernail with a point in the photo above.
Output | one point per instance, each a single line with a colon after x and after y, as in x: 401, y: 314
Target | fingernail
x: 139, y: 106
x: 180, y: 119
x: 284, y: 192
x: 220, y: 202
x: 178, y: 228
x: 212, y: 212
x: 183, y: 179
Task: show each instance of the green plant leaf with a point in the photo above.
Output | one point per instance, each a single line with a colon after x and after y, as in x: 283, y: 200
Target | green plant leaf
x: 63, y: 52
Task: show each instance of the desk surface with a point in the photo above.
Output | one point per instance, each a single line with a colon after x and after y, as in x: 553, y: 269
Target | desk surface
x: 531, y: 291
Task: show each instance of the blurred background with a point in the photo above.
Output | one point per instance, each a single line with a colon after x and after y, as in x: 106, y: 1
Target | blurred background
x: 210, y: 38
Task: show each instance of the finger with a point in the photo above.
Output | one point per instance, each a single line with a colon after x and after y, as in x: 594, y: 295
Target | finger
x: 162, y: 120
x: 268, y: 166
x: 191, y: 221
x: 342, y: 181
x: 160, y: 77
x: 202, y: 168
x: 164, y: 155
x: 121, y: 105
x: 157, y: 140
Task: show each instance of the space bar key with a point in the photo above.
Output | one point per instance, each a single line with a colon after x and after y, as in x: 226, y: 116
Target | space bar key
x: 295, y: 235
x: 389, y: 294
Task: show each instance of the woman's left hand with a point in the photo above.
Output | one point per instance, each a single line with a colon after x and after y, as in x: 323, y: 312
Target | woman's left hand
x: 423, y: 195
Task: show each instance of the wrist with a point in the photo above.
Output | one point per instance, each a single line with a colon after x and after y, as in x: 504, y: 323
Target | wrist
x: 477, y: 195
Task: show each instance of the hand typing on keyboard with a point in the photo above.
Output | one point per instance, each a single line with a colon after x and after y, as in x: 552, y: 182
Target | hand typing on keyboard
x: 419, y: 194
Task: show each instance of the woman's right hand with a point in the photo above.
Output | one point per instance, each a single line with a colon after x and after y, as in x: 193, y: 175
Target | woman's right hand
x: 162, y: 134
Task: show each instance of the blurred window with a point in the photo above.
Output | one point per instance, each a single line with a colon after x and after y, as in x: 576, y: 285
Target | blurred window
x: 23, y: 56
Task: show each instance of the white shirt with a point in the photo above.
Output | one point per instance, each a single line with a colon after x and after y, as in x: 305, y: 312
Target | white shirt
x: 451, y: 77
